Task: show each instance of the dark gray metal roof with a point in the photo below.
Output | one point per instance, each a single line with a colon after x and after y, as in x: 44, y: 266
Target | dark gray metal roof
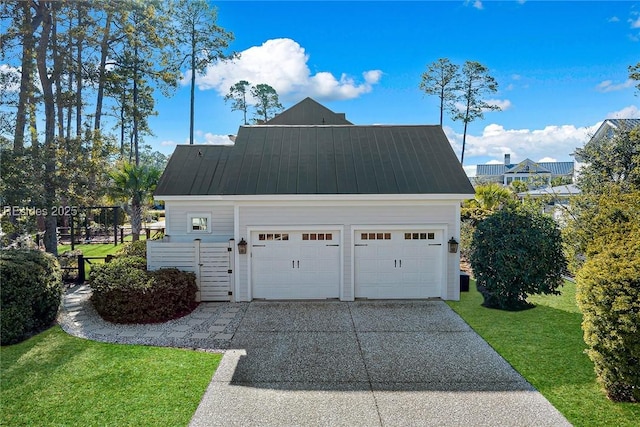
x: 556, y: 168
x: 309, y: 112
x: 281, y: 160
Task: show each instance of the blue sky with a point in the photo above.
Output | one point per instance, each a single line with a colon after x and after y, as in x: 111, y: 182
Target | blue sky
x: 561, y: 68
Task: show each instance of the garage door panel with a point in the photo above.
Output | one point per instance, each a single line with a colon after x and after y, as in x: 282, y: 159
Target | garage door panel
x: 398, y: 264
x: 305, y: 265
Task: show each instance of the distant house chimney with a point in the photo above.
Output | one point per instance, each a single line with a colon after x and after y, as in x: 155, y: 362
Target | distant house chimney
x: 507, y: 159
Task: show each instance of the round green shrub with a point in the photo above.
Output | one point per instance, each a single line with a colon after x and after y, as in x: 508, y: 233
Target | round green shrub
x: 516, y: 253
x: 608, y: 294
x: 31, y: 293
x: 136, y: 249
x: 124, y: 292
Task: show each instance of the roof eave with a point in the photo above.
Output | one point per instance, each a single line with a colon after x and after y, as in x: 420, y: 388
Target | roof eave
x: 315, y: 197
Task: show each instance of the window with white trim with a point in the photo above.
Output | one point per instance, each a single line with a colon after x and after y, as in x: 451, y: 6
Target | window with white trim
x: 199, y: 223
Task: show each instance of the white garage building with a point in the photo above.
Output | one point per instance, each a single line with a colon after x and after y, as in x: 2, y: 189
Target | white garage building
x: 328, y: 210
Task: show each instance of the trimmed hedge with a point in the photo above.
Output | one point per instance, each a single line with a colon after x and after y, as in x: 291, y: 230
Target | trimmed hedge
x: 608, y: 294
x: 124, y: 292
x: 516, y: 253
x: 136, y: 249
x: 31, y: 293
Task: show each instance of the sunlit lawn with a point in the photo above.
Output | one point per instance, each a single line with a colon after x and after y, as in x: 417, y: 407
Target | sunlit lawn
x: 545, y: 345
x: 99, y: 250
x: 54, y: 379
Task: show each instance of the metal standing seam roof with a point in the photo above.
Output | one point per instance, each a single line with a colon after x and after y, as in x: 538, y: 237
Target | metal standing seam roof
x: 343, y: 159
x: 556, y: 168
x: 309, y: 112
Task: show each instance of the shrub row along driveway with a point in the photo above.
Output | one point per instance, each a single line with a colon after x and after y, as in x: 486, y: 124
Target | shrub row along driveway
x: 365, y: 363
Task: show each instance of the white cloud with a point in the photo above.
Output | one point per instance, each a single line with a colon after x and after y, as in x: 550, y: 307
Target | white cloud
x: 282, y: 64
x: 211, y: 139
x: 635, y: 23
x: 470, y: 170
x: 475, y: 3
x: 547, y: 159
x: 503, y: 104
x: 553, y: 141
x: 608, y: 86
x: 168, y: 143
x: 630, y: 112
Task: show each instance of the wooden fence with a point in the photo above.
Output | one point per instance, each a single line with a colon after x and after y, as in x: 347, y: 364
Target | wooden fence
x: 212, y: 263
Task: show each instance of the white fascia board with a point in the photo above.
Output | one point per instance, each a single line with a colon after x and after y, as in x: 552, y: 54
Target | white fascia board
x: 321, y: 198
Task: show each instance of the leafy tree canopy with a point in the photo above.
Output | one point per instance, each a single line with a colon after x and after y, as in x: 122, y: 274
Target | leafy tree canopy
x: 613, y: 161
x: 516, y: 253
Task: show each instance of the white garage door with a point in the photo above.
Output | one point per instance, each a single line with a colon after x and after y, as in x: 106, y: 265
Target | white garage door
x: 295, y: 264
x: 398, y: 264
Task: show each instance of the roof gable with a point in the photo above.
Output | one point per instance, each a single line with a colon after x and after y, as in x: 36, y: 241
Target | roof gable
x: 609, y: 126
x: 498, y: 169
x: 527, y: 166
x: 308, y: 112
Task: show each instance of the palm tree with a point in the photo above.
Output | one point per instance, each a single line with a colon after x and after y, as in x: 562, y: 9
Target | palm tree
x: 134, y: 185
x: 489, y: 198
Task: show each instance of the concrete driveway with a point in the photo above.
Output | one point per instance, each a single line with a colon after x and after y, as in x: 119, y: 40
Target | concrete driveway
x: 365, y: 363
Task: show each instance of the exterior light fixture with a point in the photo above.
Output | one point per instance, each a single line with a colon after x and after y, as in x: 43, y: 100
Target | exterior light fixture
x: 242, y: 246
x: 453, y: 245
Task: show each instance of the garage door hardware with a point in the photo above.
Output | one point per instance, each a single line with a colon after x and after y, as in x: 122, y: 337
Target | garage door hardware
x: 332, y: 245
x: 397, y: 263
x: 293, y: 264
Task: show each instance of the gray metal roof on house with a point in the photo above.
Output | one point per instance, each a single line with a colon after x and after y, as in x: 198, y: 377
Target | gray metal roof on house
x: 556, y: 168
x: 308, y: 112
x: 624, y: 123
x: 281, y: 160
x: 558, y: 191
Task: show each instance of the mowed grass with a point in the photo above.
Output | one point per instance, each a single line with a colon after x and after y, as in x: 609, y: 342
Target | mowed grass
x: 545, y: 345
x: 95, y: 250
x: 54, y: 379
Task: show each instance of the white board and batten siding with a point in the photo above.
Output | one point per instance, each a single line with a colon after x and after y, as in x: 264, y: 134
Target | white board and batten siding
x: 212, y: 263
x: 177, y: 221
x: 349, y: 218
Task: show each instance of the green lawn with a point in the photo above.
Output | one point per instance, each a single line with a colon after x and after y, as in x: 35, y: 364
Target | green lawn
x: 95, y: 250
x: 545, y: 345
x: 55, y: 379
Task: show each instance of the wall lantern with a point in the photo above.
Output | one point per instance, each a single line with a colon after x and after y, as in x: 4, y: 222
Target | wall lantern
x: 242, y: 246
x: 453, y: 245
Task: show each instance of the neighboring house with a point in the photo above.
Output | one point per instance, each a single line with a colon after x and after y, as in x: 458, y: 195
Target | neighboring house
x: 527, y: 170
x: 606, y: 132
x: 610, y: 126
x: 327, y: 209
x: 557, y: 198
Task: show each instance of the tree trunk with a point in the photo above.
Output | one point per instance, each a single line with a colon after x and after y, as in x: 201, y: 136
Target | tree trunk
x: 193, y: 80
x: 26, y: 85
x: 104, y: 50
x: 50, y: 237
x: 135, y: 106
x: 136, y: 219
x: 79, y: 84
x: 464, y: 142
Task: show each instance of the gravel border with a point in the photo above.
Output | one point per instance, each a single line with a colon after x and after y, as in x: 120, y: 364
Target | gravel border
x: 209, y: 327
